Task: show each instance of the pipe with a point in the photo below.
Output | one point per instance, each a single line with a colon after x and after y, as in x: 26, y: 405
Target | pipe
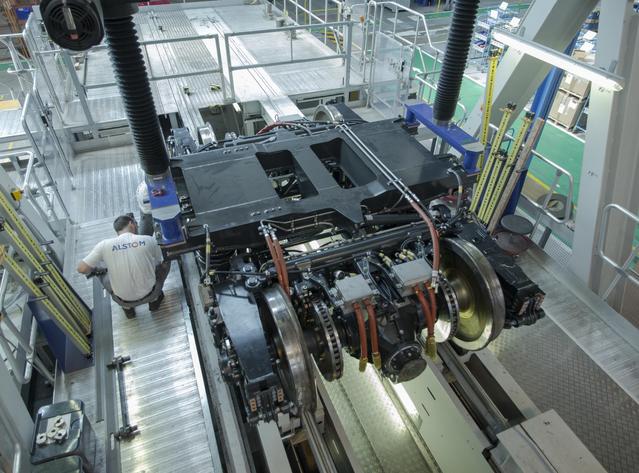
x: 390, y: 219
x: 372, y: 327
x: 133, y: 82
x: 426, y: 309
x: 363, y: 342
x: 457, y: 48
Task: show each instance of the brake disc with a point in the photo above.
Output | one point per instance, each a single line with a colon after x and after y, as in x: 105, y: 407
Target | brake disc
x: 480, y: 299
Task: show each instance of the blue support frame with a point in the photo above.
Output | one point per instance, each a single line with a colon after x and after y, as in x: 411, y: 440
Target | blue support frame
x: 469, y: 147
x: 65, y: 352
x: 165, y: 208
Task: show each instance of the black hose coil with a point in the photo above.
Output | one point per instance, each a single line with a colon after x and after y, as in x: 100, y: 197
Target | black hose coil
x: 459, y: 41
x: 135, y: 89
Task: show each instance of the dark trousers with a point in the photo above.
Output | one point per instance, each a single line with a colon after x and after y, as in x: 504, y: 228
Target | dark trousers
x: 161, y: 273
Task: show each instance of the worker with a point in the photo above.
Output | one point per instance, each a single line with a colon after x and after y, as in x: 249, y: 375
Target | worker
x: 135, y: 270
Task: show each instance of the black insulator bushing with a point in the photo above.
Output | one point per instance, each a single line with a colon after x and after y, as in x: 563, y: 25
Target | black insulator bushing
x: 130, y: 75
x: 459, y: 40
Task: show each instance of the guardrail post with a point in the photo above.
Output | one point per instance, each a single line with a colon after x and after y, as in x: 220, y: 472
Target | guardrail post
x: 82, y: 95
x: 347, y: 60
x: 229, y: 66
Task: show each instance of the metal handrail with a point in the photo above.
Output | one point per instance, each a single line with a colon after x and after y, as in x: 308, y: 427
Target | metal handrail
x: 624, y: 270
x: 345, y: 55
x: 22, y: 377
x: 559, y: 171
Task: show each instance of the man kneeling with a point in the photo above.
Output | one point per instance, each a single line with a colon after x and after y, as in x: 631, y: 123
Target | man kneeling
x: 135, y: 268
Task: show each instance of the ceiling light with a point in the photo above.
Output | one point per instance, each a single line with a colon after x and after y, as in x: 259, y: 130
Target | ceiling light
x: 597, y: 76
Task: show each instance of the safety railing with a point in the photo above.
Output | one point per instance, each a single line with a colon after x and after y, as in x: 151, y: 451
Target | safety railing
x: 39, y: 188
x: 291, y: 9
x: 410, y: 36
x: 559, y: 173
x: 344, y: 56
x: 624, y: 270
x: 20, y: 364
x: 155, y: 77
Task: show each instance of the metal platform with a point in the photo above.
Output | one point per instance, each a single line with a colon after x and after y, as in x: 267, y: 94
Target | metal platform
x: 581, y: 360
x: 191, y: 93
x: 164, y: 388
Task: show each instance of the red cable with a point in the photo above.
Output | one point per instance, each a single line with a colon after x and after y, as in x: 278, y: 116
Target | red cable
x: 434, y: 236
x: 430, y: 323
x: 433, y: 303
x: 361, y: 328
x: 280, y: 256
x: 276, y: 260
x: 372, y: 326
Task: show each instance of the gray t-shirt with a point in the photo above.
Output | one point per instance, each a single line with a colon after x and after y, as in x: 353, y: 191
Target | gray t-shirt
x: 131, y: 261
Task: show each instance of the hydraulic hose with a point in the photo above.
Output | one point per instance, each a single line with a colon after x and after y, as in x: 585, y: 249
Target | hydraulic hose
x: 433, y: 235
x: 282, y: 263
x: 135, y: 89
x: 457, y: 48
x: 363, y: 342
x: 429, y: 314
x: 426, y: 309
x: 372, y: 327
x: 276, y: 262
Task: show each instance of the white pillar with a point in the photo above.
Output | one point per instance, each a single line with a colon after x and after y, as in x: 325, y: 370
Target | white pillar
x: 610, y: 170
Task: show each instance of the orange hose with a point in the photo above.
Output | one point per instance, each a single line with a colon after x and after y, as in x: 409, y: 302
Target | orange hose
x: 433, y: 233
x: 280, y: 256
x: 433, y: 303
x: 276, y: 261
x: 430, y: 322
x: 363, y: 344
x: 372, y: 327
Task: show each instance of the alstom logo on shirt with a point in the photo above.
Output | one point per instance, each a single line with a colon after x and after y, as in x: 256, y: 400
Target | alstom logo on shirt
x: 126, y: 246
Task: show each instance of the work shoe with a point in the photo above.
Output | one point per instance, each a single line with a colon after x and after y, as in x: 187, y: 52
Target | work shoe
x: 155, y: 305
x: 130, y: 312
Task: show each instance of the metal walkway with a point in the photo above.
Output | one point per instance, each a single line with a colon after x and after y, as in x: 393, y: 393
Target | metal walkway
x: 581, y: 360
x: 165, y: 392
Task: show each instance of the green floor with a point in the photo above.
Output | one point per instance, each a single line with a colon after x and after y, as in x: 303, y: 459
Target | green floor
x: 557, y: 145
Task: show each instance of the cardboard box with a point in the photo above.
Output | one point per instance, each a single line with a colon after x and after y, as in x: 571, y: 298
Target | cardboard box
x: 574, y: 84
x: 560, y: 98
x: 565, y: 109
